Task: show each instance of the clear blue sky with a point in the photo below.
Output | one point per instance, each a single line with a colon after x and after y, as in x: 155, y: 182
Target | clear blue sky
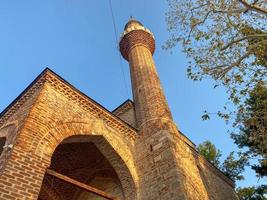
x: 75, y: 38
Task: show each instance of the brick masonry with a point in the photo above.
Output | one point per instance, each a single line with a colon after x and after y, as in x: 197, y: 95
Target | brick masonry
x: 136, y: 152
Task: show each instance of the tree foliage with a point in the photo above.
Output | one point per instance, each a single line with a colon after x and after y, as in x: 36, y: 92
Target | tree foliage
x: 252, y: 123
x: 252, y: 193
x: 223, y: 39
x: 209, y: 151
x: 232, y: 167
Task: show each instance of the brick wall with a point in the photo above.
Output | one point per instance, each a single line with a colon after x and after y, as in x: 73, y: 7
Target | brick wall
x: 49, y: 119
x: 126, y: 112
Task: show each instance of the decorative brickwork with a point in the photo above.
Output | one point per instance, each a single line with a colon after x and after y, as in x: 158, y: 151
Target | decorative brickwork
x: 135, y: 34
x: 124, y: 107
x: 45, y: 127
x: 126, y: 112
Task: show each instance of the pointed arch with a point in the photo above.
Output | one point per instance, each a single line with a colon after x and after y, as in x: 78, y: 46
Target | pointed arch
x: 109, y: 143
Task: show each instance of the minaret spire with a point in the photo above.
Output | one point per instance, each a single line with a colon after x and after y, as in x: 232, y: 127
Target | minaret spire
x: 137, y: 46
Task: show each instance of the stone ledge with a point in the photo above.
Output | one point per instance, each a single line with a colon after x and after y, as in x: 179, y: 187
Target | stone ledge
x: 125, y: 106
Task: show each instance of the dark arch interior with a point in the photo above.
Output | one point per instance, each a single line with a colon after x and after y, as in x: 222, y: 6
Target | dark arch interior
x: 2, y: 144
x: 83, y: 162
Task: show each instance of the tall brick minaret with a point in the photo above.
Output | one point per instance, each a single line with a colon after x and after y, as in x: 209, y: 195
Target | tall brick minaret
x: 167, y: 166
x: 137, y: 46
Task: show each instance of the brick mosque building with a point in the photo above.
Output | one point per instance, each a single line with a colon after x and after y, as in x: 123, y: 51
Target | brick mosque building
x: 56, y: 143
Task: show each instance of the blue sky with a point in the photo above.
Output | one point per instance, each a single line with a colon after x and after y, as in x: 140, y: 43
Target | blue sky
x: 75, y: 38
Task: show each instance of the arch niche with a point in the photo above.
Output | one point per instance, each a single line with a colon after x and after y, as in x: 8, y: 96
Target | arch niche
x: 89, y: 159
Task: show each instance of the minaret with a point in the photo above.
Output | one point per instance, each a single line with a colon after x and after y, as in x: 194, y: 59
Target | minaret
x: 167, y: 166
x: 137, y: 46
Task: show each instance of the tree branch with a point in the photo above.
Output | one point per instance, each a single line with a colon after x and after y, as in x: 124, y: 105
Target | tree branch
x: 253, y: 7
x: 220, y: 11
x: 208, y: 13
x: 198, y: 23
x: 243, y: 38
x: 200, y: 6
x: 223, y: 69
x: 230, y: 11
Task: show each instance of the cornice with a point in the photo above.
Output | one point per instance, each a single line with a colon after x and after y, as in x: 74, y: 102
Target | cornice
x: 14, y: 106
x: 135, y: 27
x: 124, y: 107
x: 134, y: 38
x: 65, y: 88
x: 89, y: 105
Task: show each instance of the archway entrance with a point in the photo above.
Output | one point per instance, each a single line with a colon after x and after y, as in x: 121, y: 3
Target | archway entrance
x: 82, y: 161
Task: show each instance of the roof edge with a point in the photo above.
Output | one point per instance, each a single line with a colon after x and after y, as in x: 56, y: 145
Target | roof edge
x: 122, y: 104
x: 47, y: 71
x: 25, y: 91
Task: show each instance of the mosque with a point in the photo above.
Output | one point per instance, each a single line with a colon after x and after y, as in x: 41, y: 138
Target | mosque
x: 56, y: 143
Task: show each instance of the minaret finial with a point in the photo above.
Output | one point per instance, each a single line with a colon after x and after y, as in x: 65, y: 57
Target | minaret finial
x: 143, y: 36
x: 132, y: 21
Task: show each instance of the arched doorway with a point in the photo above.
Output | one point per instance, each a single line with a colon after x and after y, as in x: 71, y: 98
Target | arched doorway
x: 80, y: 158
